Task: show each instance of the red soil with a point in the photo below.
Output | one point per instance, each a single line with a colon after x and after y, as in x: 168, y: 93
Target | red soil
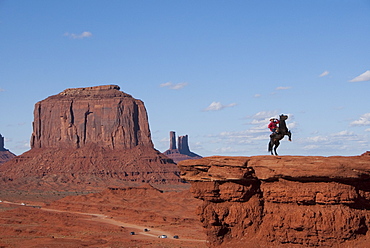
x: 102, y: 219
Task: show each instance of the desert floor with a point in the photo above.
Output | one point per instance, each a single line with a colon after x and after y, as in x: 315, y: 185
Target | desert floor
x: 100, y: 219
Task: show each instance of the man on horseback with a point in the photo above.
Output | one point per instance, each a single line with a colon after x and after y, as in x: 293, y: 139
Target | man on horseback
x: 273, y: 125
x: 279, y: 129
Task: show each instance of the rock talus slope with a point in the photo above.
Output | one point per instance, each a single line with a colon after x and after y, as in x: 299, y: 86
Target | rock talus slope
x: 6, y: 156
x: 89, y: 137
x: 289, y: 201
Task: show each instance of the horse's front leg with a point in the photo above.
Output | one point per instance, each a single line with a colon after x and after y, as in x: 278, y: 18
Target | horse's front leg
x: 290, y: 136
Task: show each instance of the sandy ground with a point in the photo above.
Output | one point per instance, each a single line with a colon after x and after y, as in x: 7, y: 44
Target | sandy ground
x: 103, y: 219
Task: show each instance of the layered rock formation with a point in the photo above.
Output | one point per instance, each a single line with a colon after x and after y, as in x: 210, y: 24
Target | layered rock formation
x: 90, y: 137
x: 183, y: 151
x: 268, y: 201
x: 5, y: 154
x: 100, y: 115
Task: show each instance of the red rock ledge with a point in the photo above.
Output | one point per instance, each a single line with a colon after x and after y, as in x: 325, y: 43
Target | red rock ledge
x: 282, y: 201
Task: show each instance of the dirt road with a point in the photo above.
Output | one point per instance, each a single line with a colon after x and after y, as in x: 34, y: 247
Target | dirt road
x: 138, y: 229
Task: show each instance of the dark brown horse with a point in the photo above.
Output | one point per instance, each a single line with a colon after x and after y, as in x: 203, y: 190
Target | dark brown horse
x: 279, y: 135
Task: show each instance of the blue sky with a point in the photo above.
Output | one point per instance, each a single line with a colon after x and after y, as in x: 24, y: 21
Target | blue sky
x: 215, y: 70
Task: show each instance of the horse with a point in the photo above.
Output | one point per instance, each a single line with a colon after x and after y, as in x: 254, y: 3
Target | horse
x: 279, y: 135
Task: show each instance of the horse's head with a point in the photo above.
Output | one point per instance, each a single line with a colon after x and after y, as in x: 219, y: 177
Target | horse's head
x: 283, y: 117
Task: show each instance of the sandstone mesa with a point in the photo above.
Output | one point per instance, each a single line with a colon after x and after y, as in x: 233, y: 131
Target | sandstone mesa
x: 91, y: 137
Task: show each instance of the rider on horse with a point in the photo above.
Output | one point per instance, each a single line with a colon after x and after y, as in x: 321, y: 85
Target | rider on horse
x: 273, y: 125
x: 279, y: 129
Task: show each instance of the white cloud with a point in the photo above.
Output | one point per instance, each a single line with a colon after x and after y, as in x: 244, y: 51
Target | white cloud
x: 179, y: 86
x: 283, y: 88
x: 325, y: 73
x: 338, y: 137
x: 228, y: 149
x: 85, y: 34
x: 363, y: 121
x: 257, y: 132
x: 257, y: 95
x: 344, y: 133
x: 316, y: 139
x: 168, y: 84
x: 264, y: 115
x: 334, y: 142
x: 1, y: 90
x: 215, y: 106
x: 173, y: 86
x: 363, y: 77
x: 310, y: 147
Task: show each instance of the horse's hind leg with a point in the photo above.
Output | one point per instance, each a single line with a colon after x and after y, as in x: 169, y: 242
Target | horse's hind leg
x: 275, y: 148
x: 270, y: 146
x: 290, y: 136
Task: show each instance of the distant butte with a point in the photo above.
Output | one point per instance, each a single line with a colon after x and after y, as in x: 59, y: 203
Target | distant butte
x: 182, y: 152
x: 5, y: 154
x: 91, y: 137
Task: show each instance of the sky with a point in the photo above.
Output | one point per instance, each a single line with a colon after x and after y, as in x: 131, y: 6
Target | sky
x: 214, y: 70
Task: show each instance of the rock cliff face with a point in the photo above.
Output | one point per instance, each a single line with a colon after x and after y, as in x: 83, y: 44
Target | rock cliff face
x: 183, y: 151
x: 268, y: 201
x: 89, y: 137
x: 100, y: 115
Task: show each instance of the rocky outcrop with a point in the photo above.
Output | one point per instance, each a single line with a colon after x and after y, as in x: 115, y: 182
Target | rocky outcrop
x: 100, y: 115
x: 89, y: 137
x: 292, y: 201
x: 172, y: 140
x: 2, y: 148
x: 5, y: 154
x: 183, y: 151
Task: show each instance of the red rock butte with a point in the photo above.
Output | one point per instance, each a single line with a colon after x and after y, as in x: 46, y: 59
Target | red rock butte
x: 100, y: 115
x: 90, y: 137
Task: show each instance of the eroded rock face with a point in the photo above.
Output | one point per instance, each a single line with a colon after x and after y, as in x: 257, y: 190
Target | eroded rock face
x: 267, y: 201
x: 100, y: 115
x: 89, y: 138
